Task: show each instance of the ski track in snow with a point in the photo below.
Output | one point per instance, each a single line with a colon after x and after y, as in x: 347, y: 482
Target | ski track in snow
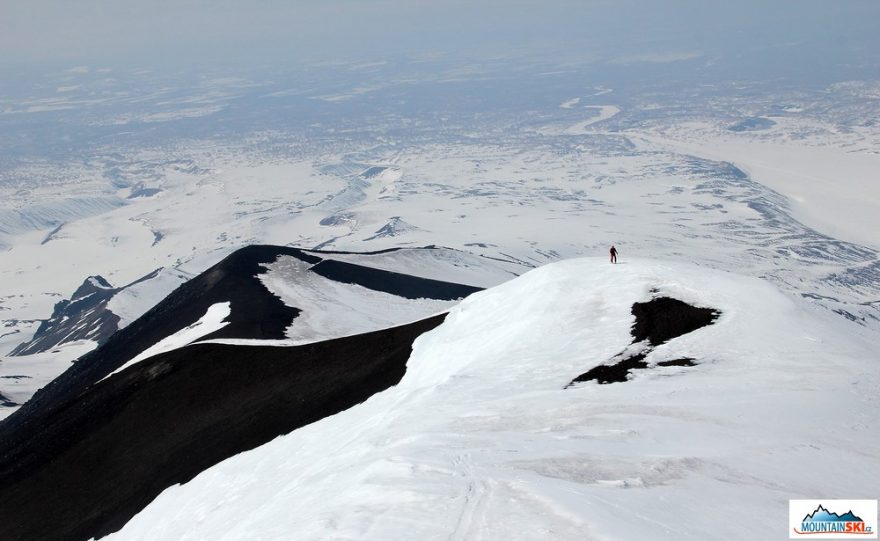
x: 471, y: 523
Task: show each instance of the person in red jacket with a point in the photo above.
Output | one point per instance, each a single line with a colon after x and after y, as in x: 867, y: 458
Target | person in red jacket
x: 613, y: 254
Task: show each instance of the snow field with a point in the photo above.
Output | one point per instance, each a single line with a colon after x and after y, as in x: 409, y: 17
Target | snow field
x: 334, y: 309
x: 831, y: 188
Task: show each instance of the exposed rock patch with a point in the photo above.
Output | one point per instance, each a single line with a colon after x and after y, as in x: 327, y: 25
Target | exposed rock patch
x: 657, y: 321
x: 663, y: 318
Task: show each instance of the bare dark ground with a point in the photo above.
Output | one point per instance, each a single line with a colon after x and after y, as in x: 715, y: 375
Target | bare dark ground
x: 662, y: 319
x: 657, y: 321
x: 107, y: 452
x: 613, y: 373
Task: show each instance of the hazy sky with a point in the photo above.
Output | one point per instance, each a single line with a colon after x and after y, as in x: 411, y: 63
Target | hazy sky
x: 820, y: 32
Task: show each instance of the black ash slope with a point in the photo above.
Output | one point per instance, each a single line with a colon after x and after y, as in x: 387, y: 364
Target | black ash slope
x: 106, y: 453
x: 402, y: 285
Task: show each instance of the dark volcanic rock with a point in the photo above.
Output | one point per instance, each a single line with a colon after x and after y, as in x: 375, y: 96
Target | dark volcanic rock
x: 255, y: 313
x: 678, y: 362
x: 613, y: 373
x: 657, y: 321
x: 662, y: 319
x: 107, y: 450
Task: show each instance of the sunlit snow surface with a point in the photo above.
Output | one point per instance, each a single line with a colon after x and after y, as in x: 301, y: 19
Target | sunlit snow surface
x: 480, y: 440
x: 133, y: 301
x: 335, y: 309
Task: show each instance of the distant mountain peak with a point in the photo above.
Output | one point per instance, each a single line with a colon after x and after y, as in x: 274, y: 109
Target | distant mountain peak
x: 83, y: 317
x: 90, y: 285
x: 824, y: 515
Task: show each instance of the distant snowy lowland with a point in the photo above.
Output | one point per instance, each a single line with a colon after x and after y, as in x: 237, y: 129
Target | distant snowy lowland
x: 231, y: 306
x: 481, y: 439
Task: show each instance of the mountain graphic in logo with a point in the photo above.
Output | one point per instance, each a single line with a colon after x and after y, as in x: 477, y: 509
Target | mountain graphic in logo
x: 823, y: 515
x: 823, y: 521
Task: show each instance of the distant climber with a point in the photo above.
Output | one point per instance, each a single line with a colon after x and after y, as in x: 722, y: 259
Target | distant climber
x: 613, y: 254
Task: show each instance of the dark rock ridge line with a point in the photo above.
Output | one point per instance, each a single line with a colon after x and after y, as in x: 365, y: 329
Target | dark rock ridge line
x: 255, y: 313
x: 167, y: 418
x: 657, y: 321
x: 402, y: 285
x: 109, y: 450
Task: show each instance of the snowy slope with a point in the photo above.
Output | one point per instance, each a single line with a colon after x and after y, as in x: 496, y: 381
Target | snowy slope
x: 132, y: 301
x: 481, y: 439
x: 332, y: 309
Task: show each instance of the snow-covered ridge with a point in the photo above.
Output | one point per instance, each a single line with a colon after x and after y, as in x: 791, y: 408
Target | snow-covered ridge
x: 481, y: 440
